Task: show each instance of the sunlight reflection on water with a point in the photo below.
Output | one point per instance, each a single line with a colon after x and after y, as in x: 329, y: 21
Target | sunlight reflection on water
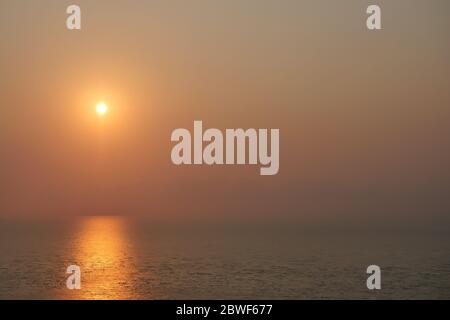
x: 102, y: 250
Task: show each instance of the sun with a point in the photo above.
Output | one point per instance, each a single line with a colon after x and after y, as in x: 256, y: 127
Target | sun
x: 101, y: 108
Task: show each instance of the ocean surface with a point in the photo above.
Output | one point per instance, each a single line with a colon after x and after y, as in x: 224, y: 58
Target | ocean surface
x: 130, y: 259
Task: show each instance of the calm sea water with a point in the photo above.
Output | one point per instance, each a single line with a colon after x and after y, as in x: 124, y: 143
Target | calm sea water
x: 125, y: 259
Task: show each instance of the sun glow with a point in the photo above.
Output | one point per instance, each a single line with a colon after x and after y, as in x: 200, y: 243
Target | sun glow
x: 101, y: 108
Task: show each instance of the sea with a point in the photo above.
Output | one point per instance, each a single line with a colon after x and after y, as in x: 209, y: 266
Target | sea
x: 123, y: 258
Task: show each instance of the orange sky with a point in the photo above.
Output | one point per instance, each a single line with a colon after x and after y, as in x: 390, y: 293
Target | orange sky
x: 363, y: 116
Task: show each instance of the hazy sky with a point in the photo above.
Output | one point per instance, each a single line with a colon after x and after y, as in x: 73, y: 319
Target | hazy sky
x: 363, y: 116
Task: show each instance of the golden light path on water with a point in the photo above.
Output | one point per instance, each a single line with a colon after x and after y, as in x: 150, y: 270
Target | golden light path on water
x: 103, y: 252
